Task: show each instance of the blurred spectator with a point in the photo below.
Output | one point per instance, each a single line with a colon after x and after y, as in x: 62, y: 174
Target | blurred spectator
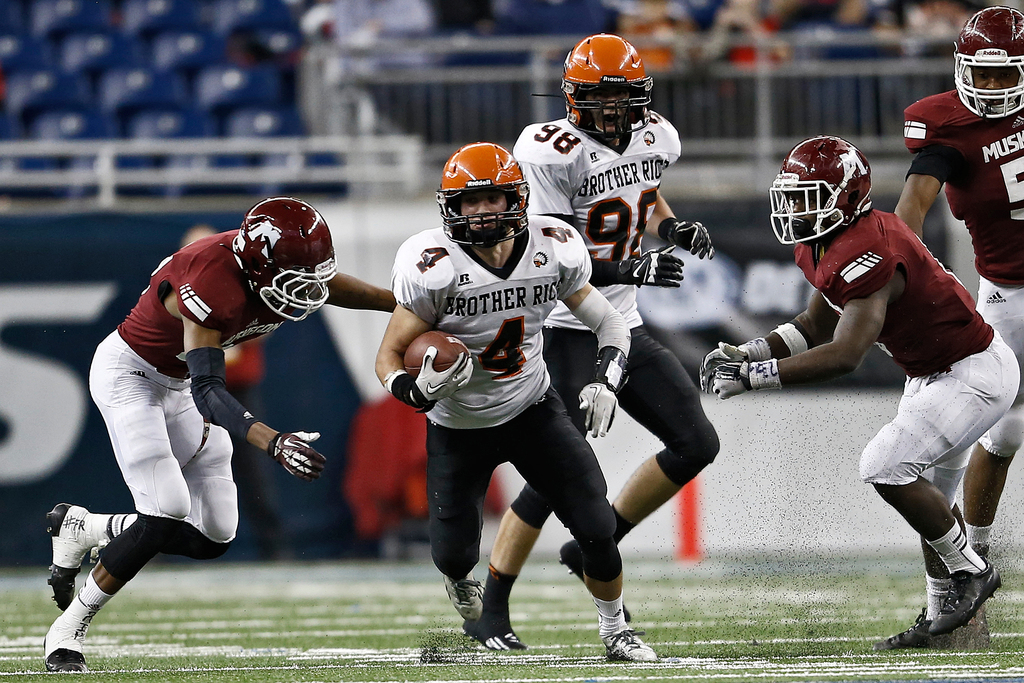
x: 736, y: 18
x: 257, y: 495
x: 658, y: 20
x: 358, y: 24
x: 553, y: 17
x: 927, y: 23
x: 823, y: 21
x: 465, y: 16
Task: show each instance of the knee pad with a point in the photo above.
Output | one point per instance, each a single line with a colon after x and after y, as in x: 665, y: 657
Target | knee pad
x: 455, y: 544
x: 190, y: 542
x: 682, y: 467
x: 1006, y: 436
x: 129, y: 552
x: 601, y: 559
x: 531, y: 507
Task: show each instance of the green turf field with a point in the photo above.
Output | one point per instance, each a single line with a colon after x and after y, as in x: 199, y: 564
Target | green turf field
x: 723, y: 620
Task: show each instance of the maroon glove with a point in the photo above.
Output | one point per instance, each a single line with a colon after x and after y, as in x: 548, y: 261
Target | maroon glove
x: 294, y: 453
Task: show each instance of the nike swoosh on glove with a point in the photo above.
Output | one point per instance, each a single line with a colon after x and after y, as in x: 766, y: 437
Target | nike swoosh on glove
x: 435, y: 384
x: 293, y: 451
x: 657, y: 267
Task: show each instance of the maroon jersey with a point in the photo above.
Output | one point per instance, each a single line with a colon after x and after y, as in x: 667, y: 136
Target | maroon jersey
x: 988, y: 194
x: 932, y: 325
x: 212, y: 291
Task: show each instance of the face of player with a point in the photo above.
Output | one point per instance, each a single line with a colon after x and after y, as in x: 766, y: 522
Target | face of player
x: 995, y: 78
x: 605, y: 119
x: 483, y: 202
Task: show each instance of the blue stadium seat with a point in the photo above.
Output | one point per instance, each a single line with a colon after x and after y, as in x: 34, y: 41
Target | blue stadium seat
x: 165, y: 123
x: 54, y: 18
x: 263, y: 122
x: 220, y: 88
x: 187, y: 50
x: 34, y: 90
x: 281, y: 42
x: 98, y: 50
x: 124, y: 91
x: 147, y: 17
x: 20, y: 52
x: 72, y: 125
x: 11, y: 18
x: 249, y: 15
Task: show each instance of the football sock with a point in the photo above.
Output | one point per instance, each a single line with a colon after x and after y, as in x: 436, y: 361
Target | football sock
x: 956, y: 553
x: 497, y: 589
x: 92, y: 596
x: 119, y: 523
x: 77, y: 617
x: 937, y: 589
x: 979, y: 535
x: 622, y: 526
x: 107, y: 526
x: 611, y: 618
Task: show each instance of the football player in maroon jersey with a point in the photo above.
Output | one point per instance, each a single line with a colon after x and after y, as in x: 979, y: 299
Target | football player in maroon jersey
x: 971, y: 140
x: 158, y: 381
x: 877, y: 283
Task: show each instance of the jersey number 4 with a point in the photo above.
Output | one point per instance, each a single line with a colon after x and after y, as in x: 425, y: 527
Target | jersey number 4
x: 503, y: 354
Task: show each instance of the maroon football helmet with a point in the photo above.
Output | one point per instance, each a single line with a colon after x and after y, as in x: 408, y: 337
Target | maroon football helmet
x: 285, y: 249
x: 993, y: 38
x: 824, y: 184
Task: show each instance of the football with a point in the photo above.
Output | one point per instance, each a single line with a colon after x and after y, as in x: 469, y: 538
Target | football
x: 448, y: 349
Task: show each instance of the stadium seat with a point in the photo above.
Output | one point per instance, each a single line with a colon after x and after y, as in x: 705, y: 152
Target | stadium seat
x: 148, y: 17
x: 95, y: 51
x: 71, y: 125
x: 124, y: 91
x: 250, y: 15
x: 11, y: 18
x: 163, y: 123
x: 220, y: 88
x: 32, y: 91
x: 21, y: 52
x: 187, y: 50
x: 54, y: 18
x: 280, y: 42
x: 263, y: 122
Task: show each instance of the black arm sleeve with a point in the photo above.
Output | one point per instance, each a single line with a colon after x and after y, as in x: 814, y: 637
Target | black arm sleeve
x: 939, y: 161
x: 209, y: 391
x: 604, y: 273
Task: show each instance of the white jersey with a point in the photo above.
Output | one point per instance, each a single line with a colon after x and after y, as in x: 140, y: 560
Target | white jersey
x: 498, y: 315
x: 611, y: 196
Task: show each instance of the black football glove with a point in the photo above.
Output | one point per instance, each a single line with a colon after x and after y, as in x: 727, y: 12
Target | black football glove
x: 693, y: 236
x: 294, y: 453
x: 656, y: 267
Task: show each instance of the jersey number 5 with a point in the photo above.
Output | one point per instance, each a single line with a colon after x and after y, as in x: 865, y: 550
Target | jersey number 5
x: 1012, y: 172
x: 503, y: 354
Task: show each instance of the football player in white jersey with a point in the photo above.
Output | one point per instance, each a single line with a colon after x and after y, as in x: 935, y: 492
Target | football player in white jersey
x: 600, y: 169
x: 491, y: 277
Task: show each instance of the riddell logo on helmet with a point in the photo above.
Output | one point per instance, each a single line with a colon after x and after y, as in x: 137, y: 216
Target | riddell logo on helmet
x: 613, y: 79
x: 479, y: 182
x: 991, y: 54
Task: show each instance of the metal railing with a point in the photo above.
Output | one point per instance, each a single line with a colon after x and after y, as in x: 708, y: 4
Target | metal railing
x: 751, y: 112
x: 364, y: 165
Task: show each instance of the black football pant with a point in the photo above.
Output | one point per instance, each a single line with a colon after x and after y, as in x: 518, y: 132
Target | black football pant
x: 659, y: 394
x: 549, y: 453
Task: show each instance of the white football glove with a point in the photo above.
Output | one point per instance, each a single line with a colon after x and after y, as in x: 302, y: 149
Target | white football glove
x: 599, y: 402
x: 731, y: 379
x: 725, y: 353
x: 293, y: 451
x: 436, y: 385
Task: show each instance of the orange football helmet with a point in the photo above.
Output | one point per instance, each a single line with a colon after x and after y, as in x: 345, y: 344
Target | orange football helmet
x: 606, y: 61
x: 483, y: 166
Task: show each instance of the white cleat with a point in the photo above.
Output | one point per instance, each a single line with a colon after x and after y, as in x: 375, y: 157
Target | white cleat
x: 467, y: 595
x: 72, y: 541
x: 626, y: 646
x: 62, y: 646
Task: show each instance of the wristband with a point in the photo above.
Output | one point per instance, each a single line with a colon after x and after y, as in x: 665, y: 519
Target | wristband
x: 756, y: 349
x: 403, y: 387
x: 665, y: 228
x: 764, y: 374
x: 793, y: 336
x: 611, y: 368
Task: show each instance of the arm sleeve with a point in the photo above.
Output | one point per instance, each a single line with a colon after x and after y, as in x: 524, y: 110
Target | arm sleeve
x: 939, y: 161
x: 215, y: 403
x: 608, y: 324
x: 604, y: 273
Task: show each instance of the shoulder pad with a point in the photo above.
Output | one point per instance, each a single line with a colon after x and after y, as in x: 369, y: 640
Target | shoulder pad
x: 426, y: 257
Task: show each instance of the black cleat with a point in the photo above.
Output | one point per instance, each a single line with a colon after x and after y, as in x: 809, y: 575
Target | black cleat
x: 915, y: 636
x: 66, y: 660
x: 966, y: 594
x: 63, y: 582
x: 493, y: 632
x: 571, y: 556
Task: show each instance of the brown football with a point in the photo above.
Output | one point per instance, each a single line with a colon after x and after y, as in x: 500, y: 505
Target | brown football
x: 448, y: 349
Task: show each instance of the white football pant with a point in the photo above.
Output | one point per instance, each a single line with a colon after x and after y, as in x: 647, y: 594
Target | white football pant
x: 1002, y: 307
